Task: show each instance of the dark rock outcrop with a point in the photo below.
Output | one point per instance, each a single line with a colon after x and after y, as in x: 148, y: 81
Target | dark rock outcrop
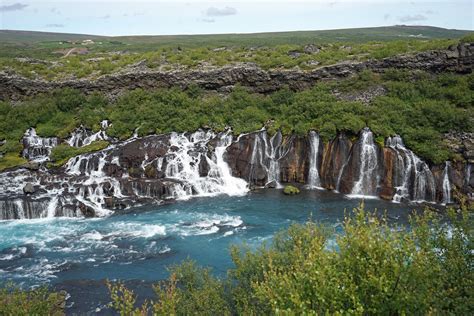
x: 455, y: 59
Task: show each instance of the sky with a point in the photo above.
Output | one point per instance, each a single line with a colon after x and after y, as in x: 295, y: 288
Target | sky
x: 157, y: 17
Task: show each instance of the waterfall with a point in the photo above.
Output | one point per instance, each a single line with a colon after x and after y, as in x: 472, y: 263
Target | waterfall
x: 82, y: 137
x: 220, y: 169
x: 446, y: 185
x: 368, y: 166
x: 52, y: 205
x: 467, y: 177
x: 415, y: 180
x: 37, y: 148
x: 313, y: 176
x: 184, y: 159
x: 267, y: 153
x: 273, y: 151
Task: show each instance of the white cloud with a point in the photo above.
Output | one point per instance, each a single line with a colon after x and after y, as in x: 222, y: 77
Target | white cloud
x: 13, y: 7
x: 213, y: 11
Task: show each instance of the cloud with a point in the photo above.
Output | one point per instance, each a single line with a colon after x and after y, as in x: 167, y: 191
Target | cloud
x: 386, y: 16
x: 213, y: 11
x: 54, y: 25
x: 412, y: 18
x: 13, y: 7
x: 208, y: 20
x: 55, y: 11
x: 105, y: 17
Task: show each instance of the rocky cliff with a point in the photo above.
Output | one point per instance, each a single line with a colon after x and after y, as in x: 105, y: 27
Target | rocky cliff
x: 160, y: 168
x: 455, y: 59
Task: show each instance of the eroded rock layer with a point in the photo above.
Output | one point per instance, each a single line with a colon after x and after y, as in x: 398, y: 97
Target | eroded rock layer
x: 159, y: 168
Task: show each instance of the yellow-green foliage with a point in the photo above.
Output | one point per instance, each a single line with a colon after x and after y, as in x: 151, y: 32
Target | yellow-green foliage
x: 291, y: 190
x: 63, y: 152
x: 14, y: 301
x: 11, y: 160
x: 372, y: 268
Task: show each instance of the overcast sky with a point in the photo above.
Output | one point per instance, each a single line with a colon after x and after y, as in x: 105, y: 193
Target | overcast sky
x: 108, y: 17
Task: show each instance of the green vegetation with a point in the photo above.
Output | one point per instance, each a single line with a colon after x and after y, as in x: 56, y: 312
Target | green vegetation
x: 63, y: 152
x: 372, y: 268
x: 286, y: 56
x: 53, y: 58
x: 14, y: 301
x: 11, y: 160
x: 418, y: 106
x: 291, y: 190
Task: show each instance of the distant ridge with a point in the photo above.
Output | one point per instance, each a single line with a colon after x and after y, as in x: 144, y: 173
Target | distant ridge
x: 354, y: 34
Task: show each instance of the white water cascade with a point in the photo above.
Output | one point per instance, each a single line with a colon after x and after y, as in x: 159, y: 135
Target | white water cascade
x: 91, y: 192
x: 314, y: 180
x: 368, y: 166
x: 83, y: 137
x: 267, y: 153
x: 183, y: 164
x: 446, y: 185
x: 37, y: 148
x: 415, y: 180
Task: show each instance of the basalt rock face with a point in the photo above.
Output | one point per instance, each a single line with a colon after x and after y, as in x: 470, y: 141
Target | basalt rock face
x: 335, y: 156
x: 157, y: 168
x: 455, y: 59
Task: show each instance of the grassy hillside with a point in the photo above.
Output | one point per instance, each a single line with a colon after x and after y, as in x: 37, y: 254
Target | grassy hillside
x: 255, y: 39
x: 66, y: 56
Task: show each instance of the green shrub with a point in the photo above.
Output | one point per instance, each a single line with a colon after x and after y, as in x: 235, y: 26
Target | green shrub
x: 11, y: 160
x: 291, y: 190
x: 40, y: 301
x: 63, y: 152
x: 372, y: 268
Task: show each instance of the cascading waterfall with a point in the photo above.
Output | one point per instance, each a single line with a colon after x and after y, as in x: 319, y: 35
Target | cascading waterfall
x: 368, y: 166
x: 91, y: 192
x: 183, y: 164
x: 83, y: 137
x: 446, y: 185
x: 37, y: 148
x: 413, y: 174
x: 273, y: 153
x: 220, y: 169
x: 267, y: 154
x: 314, y: 180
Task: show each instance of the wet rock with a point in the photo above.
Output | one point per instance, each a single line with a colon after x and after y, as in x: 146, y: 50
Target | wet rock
x: 335, y: 156
x: 271, y: 185
x: 29, y: 189
x: 86, y: 210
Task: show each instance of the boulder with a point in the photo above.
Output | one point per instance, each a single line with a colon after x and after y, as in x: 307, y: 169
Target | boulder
x: 29, y: 188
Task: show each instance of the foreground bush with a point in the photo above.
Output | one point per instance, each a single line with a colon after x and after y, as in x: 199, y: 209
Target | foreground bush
x: 371, y: 269
x: 14, y: 301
